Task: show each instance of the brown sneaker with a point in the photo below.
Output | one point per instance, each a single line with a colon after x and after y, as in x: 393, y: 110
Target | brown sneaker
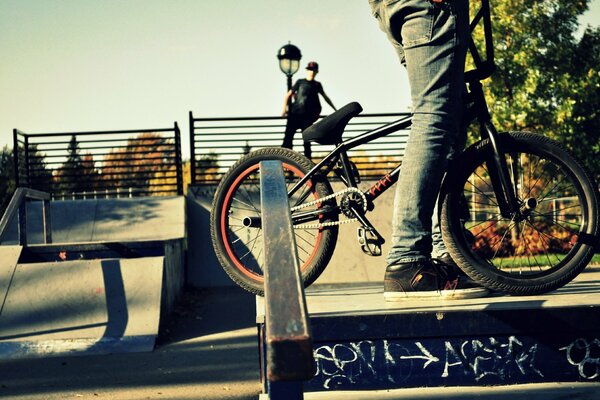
x: 427, y: 279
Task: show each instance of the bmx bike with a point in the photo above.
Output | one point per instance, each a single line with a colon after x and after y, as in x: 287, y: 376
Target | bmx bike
x: 518, y: 213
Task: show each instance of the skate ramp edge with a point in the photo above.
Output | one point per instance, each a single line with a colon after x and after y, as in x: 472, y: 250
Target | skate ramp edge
x: 79, y: 307
x: 102, y: 220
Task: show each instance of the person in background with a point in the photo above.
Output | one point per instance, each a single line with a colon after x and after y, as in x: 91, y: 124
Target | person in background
x: 431, y: 38
x: 302, y: 106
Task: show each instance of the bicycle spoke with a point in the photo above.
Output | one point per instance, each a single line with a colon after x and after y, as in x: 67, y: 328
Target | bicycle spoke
x: 531, y: 187
x: 250, y: 206
x: 249, y: 198
x: 561, y: 225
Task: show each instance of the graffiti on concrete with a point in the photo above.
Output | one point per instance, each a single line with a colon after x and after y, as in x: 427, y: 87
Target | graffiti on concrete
x: 585, y: 355
x: 393, y: 363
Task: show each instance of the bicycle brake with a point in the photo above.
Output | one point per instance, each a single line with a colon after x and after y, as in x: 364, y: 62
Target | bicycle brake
x: 370, y: 244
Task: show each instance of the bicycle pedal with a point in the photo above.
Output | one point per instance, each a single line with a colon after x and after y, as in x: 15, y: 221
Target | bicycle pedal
x: 369, y: 242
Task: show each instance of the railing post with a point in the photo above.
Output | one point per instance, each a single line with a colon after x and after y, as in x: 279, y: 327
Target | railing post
x: 192, y: 151
x: 23, y: 223
x: 47, y: 221
x: 16, y: 156
x: 26, y: 153
x: 288, y: 340
x: 178, y: 167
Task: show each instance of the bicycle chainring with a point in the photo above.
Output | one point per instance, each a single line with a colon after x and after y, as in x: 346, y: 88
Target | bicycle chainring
x: 353, y: 199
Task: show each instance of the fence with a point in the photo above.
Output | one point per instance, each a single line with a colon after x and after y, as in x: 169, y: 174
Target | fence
x: 79, y: 165
x: 217, y: 143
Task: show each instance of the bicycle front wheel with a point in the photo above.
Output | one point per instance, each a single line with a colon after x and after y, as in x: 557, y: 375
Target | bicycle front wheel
x: 236, y: 214
x: 538, y: 248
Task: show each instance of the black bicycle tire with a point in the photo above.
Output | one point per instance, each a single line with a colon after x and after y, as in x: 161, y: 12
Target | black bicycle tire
x: 326, y: 245
x: 457, y: 243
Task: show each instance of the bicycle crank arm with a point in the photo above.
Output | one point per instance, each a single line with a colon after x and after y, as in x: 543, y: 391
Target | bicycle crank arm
x: 369, y: 239
x: 367, y: 225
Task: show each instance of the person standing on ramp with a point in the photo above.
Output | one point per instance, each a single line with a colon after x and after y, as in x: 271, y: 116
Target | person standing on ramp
x: 305, y: 108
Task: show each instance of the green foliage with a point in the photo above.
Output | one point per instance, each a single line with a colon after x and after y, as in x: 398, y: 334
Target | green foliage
x: 39, y: 176
x: 70, y: 179
x: 547, y: 80
x: 7, y: 177
x: 78, y: 173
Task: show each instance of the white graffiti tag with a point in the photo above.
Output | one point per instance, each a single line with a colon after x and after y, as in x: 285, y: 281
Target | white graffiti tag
x: 585, y: 356
x: 392, y: 362
x: 343, y: 362
x: 494, y: 358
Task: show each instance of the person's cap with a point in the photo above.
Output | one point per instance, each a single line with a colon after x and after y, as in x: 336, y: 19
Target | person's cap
x: 312, y: 66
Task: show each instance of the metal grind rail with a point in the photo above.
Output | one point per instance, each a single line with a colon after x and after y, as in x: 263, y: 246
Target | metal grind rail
x: 289, y: 354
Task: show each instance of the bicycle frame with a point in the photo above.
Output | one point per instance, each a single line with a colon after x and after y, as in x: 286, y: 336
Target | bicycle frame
x: 479, y: 111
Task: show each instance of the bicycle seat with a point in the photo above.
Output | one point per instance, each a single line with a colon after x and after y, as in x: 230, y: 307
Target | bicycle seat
x: 330, y: 129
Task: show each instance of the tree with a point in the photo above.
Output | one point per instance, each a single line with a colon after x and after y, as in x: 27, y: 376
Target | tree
x: 165, y: 183
x: 7, y: 178
x: 246, y: 149
x: 136, y: 164
x: 69, y: 177
x: 207, y: 166
x: 39, y: 177
x: 547, y: 79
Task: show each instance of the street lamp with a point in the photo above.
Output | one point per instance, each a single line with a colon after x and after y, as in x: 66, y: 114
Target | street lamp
x: 289, y: 61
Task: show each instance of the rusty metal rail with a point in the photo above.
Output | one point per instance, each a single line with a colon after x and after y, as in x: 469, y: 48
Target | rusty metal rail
x: 289, y: 352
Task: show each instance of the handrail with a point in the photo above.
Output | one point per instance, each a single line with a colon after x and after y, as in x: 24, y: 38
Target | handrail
x: 102, y: 159
x: 288, y: 341
x: 18, y: 206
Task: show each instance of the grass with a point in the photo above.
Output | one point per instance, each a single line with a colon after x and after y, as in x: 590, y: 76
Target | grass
x: 516, y: 262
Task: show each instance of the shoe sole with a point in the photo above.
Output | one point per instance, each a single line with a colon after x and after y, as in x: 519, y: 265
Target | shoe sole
x: 438, y: 294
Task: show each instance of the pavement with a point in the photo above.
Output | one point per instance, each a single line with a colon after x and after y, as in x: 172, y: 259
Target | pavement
x: 208, y: 349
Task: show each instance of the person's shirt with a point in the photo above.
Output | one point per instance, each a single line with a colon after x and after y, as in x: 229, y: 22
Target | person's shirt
x: 306, y: 97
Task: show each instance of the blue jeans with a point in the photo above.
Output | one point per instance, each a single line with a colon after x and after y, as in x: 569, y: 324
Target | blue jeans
x: 431, y: 40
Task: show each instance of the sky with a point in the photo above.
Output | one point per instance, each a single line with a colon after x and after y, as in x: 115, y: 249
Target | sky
x: 93, y: 65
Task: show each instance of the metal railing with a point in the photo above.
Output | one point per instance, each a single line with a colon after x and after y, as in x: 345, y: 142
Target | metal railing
x: 77, y: 165
x: 18, y: 207
x: 217, y: 143
x: 288, y: 342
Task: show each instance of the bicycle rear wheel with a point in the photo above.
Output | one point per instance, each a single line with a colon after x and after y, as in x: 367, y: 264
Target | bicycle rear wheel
x: 547, y: 242
x: 235, y: 219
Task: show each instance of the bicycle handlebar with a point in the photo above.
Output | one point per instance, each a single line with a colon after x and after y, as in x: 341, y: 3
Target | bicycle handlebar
x: 484, y: 68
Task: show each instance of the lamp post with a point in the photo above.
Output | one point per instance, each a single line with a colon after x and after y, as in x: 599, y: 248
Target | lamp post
x: 289, y: 61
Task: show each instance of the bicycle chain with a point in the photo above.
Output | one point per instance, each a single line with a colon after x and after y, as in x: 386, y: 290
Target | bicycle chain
x: 324, y: 199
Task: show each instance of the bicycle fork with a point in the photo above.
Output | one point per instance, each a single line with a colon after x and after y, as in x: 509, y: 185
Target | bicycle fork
x: 499, y: 174
x: 497, y: 167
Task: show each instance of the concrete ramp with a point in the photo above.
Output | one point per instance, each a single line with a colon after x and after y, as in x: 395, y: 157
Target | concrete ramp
x: 9, y: 256
x: 115, y: 267
x: 83, y: 307
x: 99, y: 220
